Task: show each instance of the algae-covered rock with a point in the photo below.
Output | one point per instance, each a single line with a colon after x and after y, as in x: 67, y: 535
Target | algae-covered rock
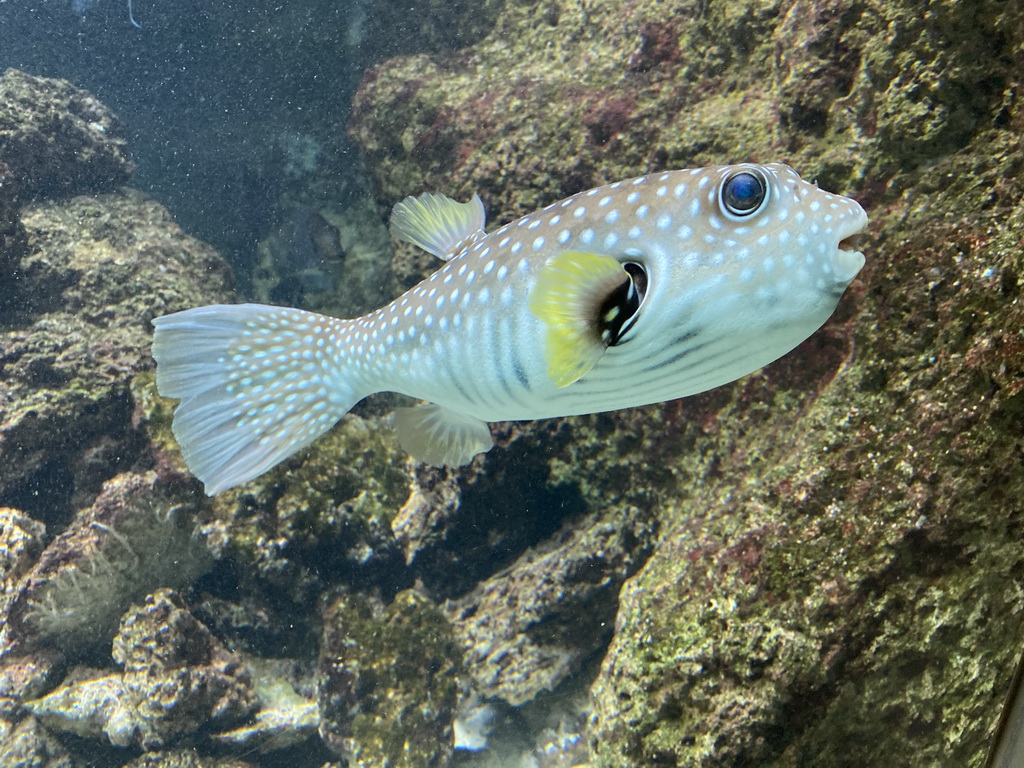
x: 26, y: 744
x: 321, y: 516
x: 530, y: 626
x: 136, y: 537
x: 185, y: 758
x: 175, y: 679
x: 75, y: 318
x: 177, y: 676
x: 388, y: 681
x: 57, y: 139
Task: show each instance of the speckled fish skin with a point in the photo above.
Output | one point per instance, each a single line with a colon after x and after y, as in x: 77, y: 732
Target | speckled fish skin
x: 725, y: 295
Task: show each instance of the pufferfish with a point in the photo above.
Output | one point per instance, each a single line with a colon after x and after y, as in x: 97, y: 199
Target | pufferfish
x: 632, y: 293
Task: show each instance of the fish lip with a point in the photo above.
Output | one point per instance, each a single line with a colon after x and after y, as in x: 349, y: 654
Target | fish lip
x: 850, y: 243
x: 848, y: 259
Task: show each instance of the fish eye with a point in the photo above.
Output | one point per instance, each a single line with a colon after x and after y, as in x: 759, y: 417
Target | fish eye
x: 743, y: 194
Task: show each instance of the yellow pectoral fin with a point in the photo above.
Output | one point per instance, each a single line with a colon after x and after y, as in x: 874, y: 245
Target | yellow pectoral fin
x: 568, y: 298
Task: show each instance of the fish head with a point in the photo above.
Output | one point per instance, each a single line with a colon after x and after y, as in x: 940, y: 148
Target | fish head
x: 752, y: 250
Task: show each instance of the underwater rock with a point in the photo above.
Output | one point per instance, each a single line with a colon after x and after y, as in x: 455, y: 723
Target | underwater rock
x: 21, y: 541
x: 301, y: 257
x: 319, y: 518
x: 135, y: 538
x: 58, y: 140
x: 526, y: 629
x: 388, y: 681
x: 75, y: 331
x: 285, y: 717
x: 23, y: 743
x: 185, y: 758
x: 12, y: 233
x: 91, y: 707
x: 176, y: 678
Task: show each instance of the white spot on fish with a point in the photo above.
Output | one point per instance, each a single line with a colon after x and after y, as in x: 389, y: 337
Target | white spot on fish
x: 538, y: 243
x: 665, y: 221
x: 580, y: 212
x: 604, y: 201
x: 587, y: 236
x: 632, y: 197
x: 612, y: 216
x: 563, y: 236
x: 642, y: 211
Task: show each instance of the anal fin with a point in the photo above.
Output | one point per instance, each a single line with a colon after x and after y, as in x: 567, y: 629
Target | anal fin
x: 441, y: 437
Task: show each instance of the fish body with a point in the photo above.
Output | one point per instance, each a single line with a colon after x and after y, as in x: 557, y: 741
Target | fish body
x: 635, y: 292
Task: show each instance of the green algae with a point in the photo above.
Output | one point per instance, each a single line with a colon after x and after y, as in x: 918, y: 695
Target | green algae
x: 389, y: 681
x: 322, y: 515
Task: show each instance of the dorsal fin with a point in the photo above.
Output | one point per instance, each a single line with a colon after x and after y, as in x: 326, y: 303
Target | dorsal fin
x: 437, y: 223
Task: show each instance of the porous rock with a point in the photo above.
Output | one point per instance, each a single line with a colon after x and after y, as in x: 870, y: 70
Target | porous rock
x: 136, y: 537
x: 59, y: 140
x: 388, y: 681
x: 175, y: 678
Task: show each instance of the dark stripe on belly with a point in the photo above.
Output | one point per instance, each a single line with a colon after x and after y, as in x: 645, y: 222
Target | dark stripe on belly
x: 696, y: 369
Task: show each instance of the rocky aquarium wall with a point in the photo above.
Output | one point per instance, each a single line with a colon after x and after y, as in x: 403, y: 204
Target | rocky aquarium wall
x: 821, y: 564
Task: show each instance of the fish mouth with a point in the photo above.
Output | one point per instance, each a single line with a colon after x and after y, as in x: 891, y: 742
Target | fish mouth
x: 848, y: 260
x: 851, y: 243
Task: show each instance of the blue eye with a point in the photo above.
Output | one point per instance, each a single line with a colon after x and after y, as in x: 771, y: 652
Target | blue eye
x: 744, y: 193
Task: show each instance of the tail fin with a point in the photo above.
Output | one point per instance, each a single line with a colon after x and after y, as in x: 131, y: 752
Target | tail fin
x: 256, y: 384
